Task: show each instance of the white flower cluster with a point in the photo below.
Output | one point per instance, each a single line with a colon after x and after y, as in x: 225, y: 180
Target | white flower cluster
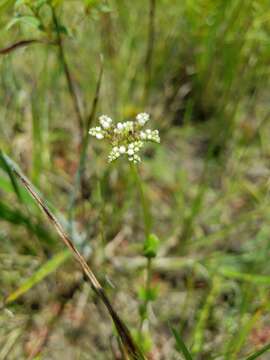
x: 127, y: 138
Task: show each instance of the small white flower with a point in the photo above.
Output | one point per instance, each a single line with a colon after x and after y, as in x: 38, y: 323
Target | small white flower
x: 142, y: 135
x: 120, y: 126
x: 99, y: 136
x: 136, y: 158
x: 130, y: 152
x: 122, y: 149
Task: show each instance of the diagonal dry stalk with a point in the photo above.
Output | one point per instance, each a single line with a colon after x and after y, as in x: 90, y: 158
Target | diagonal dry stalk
x: 131, y: 348
x: 23, y: 43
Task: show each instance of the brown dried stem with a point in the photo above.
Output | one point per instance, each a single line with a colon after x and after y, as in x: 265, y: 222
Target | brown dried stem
x: 123, y: 332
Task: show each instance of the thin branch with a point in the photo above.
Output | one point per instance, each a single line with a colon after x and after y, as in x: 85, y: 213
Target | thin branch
x: 24, y: 43
x: 71, y: 86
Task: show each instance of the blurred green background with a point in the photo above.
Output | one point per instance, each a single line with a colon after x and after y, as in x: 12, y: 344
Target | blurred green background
x: 201, y: 69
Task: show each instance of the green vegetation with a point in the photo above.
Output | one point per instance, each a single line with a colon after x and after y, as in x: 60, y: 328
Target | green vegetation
x: 176, y: 246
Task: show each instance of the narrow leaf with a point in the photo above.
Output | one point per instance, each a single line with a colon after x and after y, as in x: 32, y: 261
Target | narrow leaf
x: 27, y: 20
x: 252, y: 278
x: 6, y: 167
x: 16, y: 217
x: 259, y: 352
x: 45, y: 270
x: 180, y: 345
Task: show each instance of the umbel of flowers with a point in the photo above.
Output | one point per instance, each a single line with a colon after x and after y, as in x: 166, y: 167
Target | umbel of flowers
x: 126, y: 138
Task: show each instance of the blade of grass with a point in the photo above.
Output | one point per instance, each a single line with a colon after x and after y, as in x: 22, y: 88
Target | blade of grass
x: 45, y: 270
x: 6, y: 167
x: 252, y: 278
x: 18, y: 218
x: 25, y: 196
x: 258, y: 353
x: 203, y: 316
x: 181, y: 347
x: 239, y: 338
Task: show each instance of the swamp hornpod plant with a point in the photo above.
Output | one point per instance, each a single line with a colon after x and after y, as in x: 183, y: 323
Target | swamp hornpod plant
x: 127, y: 139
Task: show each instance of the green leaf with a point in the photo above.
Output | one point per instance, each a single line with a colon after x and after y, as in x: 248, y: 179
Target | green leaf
x: 63, y: 30
x: 16, y: 217
x: 45, y: 270
x: 27, y: 20
x: 180, y: 345
x: 6, y: 167
x: 259, y: 352
x: 230, y: 273
x: 151, y: 246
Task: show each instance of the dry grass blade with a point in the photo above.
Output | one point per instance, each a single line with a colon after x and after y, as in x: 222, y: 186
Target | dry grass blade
x: 23, y: 43
x: 124, y: 334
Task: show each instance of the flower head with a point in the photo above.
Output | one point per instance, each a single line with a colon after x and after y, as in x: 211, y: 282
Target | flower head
x: 126, y: 138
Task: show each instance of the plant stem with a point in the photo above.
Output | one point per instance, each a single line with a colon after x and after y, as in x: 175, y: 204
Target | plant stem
x: 80, y: 170
x: 150, y: 48
x: 145, y: 208
x: 70, y: 83
x: 147, y: 229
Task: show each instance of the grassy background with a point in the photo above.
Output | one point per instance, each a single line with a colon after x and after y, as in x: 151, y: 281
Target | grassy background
x: 201, y: 69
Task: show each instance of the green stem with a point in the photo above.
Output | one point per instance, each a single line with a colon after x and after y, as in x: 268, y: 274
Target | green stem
x: 145, y: 207
x: 147, y: 229
x: 150, y: 49
x: 147, y: 288
x: 70, y: 83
